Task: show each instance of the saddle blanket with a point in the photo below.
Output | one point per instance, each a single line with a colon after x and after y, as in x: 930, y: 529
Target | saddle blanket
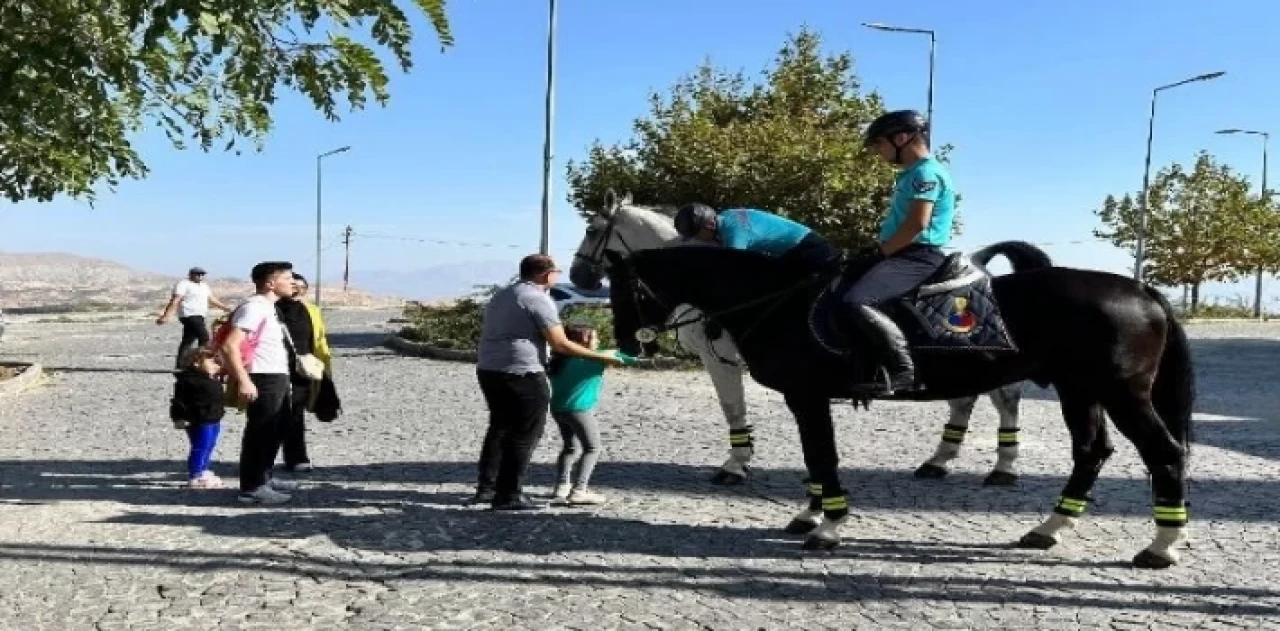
x: 955, y: 315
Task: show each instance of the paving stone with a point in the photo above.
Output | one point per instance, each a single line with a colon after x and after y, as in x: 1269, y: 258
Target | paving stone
x: 96, y: 530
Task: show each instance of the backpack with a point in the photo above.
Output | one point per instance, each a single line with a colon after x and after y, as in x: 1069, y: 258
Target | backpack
x: 222, y: 330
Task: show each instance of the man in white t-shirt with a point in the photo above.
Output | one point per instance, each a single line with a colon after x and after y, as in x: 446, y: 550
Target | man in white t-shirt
x: 191, y: 297
x: 263, y: 381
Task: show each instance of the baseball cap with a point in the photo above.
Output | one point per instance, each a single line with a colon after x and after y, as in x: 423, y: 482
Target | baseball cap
x: 196, y: 271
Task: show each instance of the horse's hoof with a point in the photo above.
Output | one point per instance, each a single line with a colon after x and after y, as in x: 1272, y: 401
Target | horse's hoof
x: 1037, y: 541
x: 931, y: 471
x: 821, y: 543
x: 800, y: 527
x: 726, y: 478
x: 1000, y: 478
x: 1148, y: 560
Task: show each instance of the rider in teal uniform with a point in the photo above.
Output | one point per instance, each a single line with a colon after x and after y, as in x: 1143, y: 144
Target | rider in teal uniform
x: 758, y: 231
x: 912, y: 235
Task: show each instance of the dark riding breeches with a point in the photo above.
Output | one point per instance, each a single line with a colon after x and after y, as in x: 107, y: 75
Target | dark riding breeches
x: 813, y: 253
x: 895, y: 276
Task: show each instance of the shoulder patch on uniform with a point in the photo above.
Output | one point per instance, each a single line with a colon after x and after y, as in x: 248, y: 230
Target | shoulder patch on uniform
x: 924, y: 186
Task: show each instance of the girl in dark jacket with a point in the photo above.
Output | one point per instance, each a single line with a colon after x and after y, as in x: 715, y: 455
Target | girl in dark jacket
x: 198, y: 407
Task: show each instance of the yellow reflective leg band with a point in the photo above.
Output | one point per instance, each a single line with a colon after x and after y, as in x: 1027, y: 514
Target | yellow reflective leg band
x: 815, y: 489
x: 953, y: 433
x: 835, y: 503
x: 1070, y: 506
x: 1170, y: 515
x: 738, y: 440
x: 1007, y: 437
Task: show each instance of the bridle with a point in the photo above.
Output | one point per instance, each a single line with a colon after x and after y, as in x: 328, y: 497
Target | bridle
x: 639, y: 288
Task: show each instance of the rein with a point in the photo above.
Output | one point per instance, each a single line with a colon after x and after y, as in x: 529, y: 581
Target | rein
x: 647, y: 335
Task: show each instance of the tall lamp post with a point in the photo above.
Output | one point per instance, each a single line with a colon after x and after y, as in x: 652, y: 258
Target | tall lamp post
x: 1141, y: 249
x: 319, y: 213
x: 544, y: 246
x: 1266, y: 196
x: 932, y: 49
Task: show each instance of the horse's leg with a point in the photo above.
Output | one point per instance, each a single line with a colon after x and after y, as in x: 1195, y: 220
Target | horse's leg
x: 727, y: 379
x: 821, y: 459
x: 952, y: 439
x: 1090, y: 448
x: 1166, y: 460
x: 1006, y: 400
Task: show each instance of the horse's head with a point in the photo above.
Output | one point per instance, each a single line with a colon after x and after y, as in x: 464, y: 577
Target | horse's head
x: 619, y: 227
x: 730, y: 286
x: 632, y: 303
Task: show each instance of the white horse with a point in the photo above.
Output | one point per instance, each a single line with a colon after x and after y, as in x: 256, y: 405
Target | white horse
x: 624, y: 228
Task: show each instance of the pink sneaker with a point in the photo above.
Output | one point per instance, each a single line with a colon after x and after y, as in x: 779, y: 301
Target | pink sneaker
x: 206, y: 480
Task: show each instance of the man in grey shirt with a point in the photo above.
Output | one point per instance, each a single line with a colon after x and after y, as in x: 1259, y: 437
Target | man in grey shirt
x: 520, y: 322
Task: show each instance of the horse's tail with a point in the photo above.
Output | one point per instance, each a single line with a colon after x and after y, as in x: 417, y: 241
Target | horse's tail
x: 1174, y: 391
x: 1022, y: 256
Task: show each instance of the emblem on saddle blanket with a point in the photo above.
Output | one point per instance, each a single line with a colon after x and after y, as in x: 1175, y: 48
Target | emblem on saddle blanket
x: 964, y: 318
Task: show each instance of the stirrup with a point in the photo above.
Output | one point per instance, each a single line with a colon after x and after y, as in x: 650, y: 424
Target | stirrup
x: 883, y: 385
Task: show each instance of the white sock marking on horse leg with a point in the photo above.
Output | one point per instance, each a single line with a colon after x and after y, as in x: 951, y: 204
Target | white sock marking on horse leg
x: 812, y: 516
x: 1166, y: 538
x: 1056, y: 523
x: 829, y: 529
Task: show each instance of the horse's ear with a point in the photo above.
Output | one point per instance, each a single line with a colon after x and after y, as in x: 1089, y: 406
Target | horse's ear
x: 610, y: 204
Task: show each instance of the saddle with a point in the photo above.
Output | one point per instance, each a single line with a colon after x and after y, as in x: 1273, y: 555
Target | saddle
x: 952, y: 311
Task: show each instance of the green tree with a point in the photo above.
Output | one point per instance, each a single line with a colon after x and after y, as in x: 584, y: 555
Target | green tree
x: 1202, y: 226
x: 79, y: 77
x: 791, y: 144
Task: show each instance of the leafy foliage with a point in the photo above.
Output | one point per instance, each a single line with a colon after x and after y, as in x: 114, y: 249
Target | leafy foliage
x: 79, y: 76
x: 792, y: 145
x: 458, y: 325
x: 1202, y: 225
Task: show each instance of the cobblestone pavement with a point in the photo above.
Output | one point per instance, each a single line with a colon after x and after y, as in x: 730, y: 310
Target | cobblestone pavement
x: 97, y: 532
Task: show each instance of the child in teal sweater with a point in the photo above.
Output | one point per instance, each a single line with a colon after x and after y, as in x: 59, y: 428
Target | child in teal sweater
x: 575, y: 389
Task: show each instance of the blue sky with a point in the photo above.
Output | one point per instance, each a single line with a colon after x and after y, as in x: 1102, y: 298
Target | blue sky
x: 1046, y: 104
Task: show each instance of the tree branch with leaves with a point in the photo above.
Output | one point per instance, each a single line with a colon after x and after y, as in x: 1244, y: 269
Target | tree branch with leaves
x: 791, y: 144
x: 80, y: 77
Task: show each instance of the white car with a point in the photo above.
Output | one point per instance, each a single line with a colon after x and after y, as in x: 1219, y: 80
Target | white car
x: 566, y: 295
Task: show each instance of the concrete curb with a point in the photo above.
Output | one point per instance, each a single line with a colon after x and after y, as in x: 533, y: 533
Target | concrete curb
x: 30, y: 374
x: 421, y: 349
x: 1232, y: 321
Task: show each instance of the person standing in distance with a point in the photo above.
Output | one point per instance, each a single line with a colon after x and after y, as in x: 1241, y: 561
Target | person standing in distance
x: 520, y: 320
x: 191, y: 297
x: 912, y: 235
x: 263, y: 381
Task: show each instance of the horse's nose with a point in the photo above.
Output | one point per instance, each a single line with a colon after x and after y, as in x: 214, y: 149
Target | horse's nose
x: 584, y: 275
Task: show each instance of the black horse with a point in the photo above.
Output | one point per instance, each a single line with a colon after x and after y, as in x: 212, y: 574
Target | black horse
x: 1105, y: 342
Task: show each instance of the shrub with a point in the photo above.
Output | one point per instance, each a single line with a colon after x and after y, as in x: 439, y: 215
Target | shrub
x: 458, y: 325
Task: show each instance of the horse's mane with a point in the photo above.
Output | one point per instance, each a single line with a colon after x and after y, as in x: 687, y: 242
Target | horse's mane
x: 765, y: 271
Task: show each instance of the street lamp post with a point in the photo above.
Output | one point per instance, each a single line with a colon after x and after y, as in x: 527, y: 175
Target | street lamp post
x: 549, y: 115
x: 1140, y: 250
x: 1265, y: 196
x: 932, y: 49
x: 319, y: 213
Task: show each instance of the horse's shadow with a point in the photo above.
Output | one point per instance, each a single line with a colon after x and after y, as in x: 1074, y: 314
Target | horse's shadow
x: 158, y: 482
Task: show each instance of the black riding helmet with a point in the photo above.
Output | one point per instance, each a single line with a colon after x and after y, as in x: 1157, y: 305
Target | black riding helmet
x: 691, y: 217
x: 899, y: 122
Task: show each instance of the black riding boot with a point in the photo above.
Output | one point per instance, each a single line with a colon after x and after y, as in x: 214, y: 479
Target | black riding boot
x: 889, y: 344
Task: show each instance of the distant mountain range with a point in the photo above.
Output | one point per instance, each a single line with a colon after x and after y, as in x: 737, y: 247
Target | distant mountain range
x: 58, y: 282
